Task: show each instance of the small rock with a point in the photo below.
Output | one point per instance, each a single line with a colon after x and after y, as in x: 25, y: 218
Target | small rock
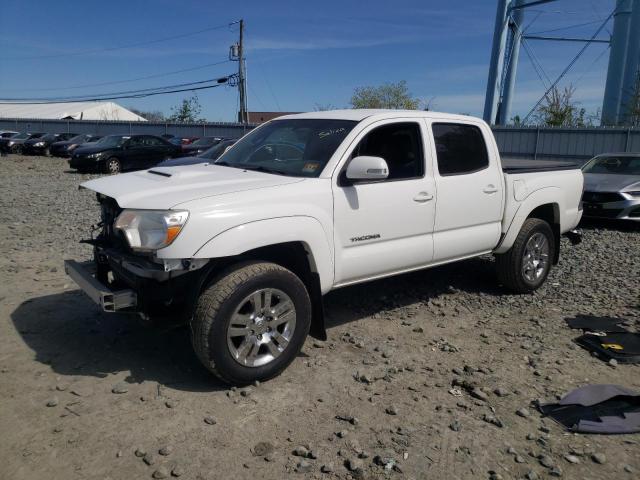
x: 519, y: 459
x: 613, y: 363
x: 479, y: 394
x: 161, y: 472
x: 546, y: 461
x: 392, y: 410
x: 523, y: 412
x: 532, y: 475
x: 149, y: 459
x: 119, y: 454
x: 599, y: 458
x: 52, y: 402
x: 140, y: 452
x: 119, y: 388
x: 555, y: 472
x: 261, y: 449
x: 455, y: 426
x: 628, y: 469
x: 61, y: 387
x: 501, y: 392
x: 354, y: 464
x: 303, y: 466
x: 301, y: 451
x: 327, y: 468
x: 170, y: 404
x: 210, y: 420
x: 571, y: 459
x: 177, y: 471
x: 342, y: 433
x: 166, y: 450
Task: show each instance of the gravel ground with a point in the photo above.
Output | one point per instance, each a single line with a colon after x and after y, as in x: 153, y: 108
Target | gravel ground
x: 433, y: 374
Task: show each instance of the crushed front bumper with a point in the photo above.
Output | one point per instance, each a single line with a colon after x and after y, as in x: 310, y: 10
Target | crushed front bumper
x: 110, y: 301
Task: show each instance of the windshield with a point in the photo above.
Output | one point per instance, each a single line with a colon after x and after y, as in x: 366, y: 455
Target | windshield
x: 206, y: 142
x: 296, y: 147
x: 49, y: 136
x: 214, y: 152
x: 111, y: 141
x: 78, y: 139
x: 614, y: 165
x: 36, y: 135
x: 20, y: 136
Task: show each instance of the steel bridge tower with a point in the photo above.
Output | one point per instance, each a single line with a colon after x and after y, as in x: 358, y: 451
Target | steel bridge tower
x: 622, y: 74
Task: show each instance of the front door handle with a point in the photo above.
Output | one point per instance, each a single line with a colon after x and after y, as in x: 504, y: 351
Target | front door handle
x: 423, y: 197
x: 490, y: 189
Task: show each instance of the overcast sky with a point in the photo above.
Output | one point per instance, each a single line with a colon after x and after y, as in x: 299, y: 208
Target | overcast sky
x: 299, y: 53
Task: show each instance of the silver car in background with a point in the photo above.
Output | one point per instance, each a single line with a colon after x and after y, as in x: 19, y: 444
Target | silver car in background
x: 612, y: 186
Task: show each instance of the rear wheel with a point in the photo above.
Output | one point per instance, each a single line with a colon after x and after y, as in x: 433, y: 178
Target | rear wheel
x: 112, y: 166
x: 525, y: 267
x: 251, y: 323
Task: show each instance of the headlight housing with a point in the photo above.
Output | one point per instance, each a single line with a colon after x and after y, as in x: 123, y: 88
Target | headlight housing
x: 148, y: 230
x: 39, y: 144
x: 94, y: 155
x: 633, y: 194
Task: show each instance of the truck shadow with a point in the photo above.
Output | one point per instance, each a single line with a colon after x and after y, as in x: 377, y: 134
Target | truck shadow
x: 69, y: 333
x: 352, y: 303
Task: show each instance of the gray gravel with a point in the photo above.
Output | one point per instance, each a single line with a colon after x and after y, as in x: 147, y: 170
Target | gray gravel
x: 434, y: 374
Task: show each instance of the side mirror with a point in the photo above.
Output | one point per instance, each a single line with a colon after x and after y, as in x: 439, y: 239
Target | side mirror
x: 367, y: 168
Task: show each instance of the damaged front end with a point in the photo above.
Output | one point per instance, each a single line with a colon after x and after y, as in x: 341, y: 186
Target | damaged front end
x: 124, y: 279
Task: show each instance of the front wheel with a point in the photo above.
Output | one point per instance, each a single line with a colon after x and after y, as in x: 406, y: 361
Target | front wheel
x: 251, y: 323
x: 525, y: 267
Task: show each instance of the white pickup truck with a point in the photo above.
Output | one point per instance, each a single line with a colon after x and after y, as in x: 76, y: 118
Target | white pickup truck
x: 244, y: 248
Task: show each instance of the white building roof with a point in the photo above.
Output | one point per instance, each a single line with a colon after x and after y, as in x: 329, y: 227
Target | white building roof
x: 75, y: 111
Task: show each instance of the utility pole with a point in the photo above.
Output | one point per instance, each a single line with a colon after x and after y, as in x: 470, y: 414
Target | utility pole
x: 242, y: 87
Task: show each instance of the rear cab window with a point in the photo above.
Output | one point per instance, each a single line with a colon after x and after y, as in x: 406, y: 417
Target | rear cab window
x: 460, y: 148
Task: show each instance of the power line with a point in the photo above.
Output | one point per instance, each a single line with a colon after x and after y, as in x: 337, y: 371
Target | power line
x: 123, y: 94
x: 121, y: 47
x: 577, y: 25
x: 571, y: 64
x: 158, y: 75
x: 142, y: 95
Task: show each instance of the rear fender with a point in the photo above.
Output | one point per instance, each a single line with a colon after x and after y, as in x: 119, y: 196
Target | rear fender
x: 544, y: 196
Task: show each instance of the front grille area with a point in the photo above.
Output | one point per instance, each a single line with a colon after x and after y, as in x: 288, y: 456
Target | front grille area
x: 602, y: 212
x: 109, y: 211
x: 601, y: 197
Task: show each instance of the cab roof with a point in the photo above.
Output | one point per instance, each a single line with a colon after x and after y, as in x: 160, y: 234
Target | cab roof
x: 360, y: 114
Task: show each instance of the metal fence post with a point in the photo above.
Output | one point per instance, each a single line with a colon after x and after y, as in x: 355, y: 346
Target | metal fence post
x: 535, y: 150
x: 627, y: 141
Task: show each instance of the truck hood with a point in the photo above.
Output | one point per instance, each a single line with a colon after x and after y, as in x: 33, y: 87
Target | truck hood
x: 609, y: 182
x: 162, y: 188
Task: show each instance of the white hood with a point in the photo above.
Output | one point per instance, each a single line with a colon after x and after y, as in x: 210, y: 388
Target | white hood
x: 166, y: 187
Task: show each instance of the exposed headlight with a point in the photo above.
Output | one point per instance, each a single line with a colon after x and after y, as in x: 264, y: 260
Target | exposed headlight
x: 38, y: 144
x: 147, y: 230
x: 95, y: 155
x: 11, y: 144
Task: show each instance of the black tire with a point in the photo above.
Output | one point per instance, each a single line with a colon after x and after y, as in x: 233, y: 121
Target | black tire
x: 112, y: 166
x: 510, y: 265
x: 215, y: 309
x: 16, y: 149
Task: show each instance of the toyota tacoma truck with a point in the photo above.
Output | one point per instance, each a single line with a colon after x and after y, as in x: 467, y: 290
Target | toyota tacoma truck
x: 245, y: 247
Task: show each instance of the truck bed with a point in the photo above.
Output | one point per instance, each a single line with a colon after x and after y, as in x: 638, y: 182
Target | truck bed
x: 519, y: 165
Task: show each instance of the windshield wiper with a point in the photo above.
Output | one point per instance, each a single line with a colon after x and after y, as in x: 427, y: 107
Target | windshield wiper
x: 260, y: 168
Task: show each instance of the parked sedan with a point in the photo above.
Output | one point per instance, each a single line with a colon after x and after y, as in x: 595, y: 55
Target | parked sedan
x: 40, y: 145
x: 208, y: 156
x: 612, y: 186
x: 7, y: 133
x: 65, y: 148
x: 115, y: 153
x: 14, y: 144
x: 200, y: 145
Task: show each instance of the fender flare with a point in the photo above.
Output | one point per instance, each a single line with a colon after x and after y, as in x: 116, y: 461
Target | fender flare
x: 263, y: 233
x: 543, y: 196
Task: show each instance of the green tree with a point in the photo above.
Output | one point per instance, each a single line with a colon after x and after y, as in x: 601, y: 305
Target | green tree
x: 188, y: 111
x: 389, y: 95
x: 560, y: 110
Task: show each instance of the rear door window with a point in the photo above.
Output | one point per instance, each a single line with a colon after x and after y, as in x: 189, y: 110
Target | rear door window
x: 460, y: 148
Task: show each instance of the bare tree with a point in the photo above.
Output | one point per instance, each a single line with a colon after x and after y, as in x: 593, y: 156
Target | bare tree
x: 389, y: 95
x: 560, y: 110
x: 633, y: 105
x: 151, y: 115
x: 187, y: 111
x: 322, y: 107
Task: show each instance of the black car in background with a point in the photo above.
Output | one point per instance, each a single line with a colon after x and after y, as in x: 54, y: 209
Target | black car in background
x: 14, y: 144
x: 7, y: 133
x: 200, y: 145
x: 40, y: 145
x: 66, y: 147
x: 208, y: 156
x: 115, y: 153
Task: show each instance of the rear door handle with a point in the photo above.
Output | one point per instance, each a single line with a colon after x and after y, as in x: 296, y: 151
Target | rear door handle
x: 423, y: 197
x: 490, y: 189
